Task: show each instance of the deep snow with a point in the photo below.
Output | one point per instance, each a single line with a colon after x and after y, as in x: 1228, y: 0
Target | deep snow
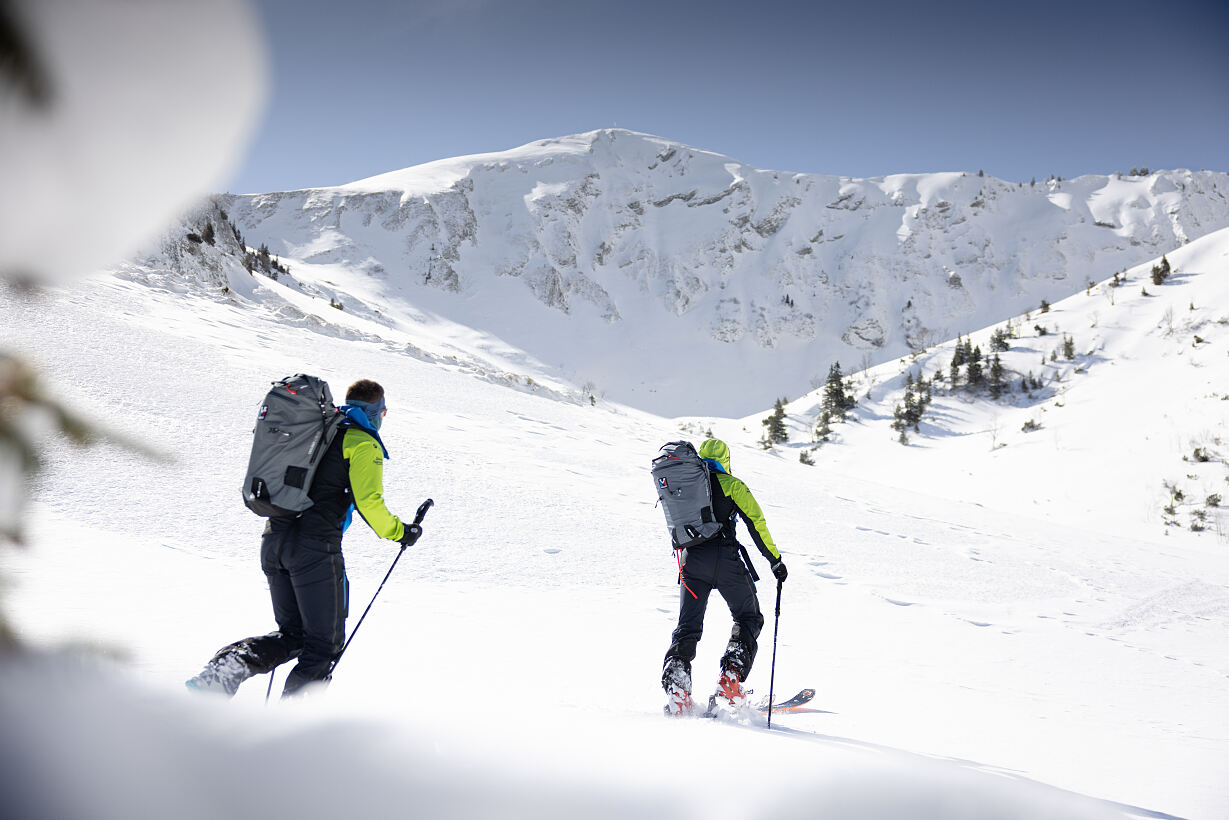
x: 983, y: 641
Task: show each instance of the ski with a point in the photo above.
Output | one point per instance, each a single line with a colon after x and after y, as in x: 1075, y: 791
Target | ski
x: 797, y: 700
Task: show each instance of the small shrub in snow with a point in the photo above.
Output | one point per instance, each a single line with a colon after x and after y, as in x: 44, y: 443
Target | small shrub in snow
x: 1199, y: 520
x: 1161, y: 272
x: 1213, y: 500
x: 823, y: 428
x: 1031, y: 425
x: 805, y: 457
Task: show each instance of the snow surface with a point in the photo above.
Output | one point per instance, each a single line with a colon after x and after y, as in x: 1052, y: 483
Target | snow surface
x: 997, y: 623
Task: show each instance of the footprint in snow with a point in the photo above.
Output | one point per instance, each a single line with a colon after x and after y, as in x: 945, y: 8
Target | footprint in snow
x: 552, y: 551
x: 898, y: 603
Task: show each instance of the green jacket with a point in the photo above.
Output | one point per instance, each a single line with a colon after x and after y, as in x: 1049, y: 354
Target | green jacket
x: 365, y: 459
x: 717, y: 453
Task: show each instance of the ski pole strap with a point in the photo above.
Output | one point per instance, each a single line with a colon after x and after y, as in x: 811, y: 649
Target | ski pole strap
x: 678, y: 554
x: 755, y: 576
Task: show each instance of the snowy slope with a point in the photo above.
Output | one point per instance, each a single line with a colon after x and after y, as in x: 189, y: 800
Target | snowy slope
x: 1142, y: 403
x: 994, y: 631
x: 666, y: 267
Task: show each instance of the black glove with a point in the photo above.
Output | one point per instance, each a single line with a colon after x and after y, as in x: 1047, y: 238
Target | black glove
x: 779, y: 570
x: 411, y: 534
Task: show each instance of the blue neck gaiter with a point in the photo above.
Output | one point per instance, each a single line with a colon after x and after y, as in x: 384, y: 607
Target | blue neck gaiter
x: 373, y: 410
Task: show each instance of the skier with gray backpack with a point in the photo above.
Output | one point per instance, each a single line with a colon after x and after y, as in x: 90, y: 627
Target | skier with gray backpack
x: 701, y: 500
x: 311, y: 467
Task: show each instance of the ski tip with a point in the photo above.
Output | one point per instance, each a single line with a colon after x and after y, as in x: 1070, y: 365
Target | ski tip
x: 803, y: 697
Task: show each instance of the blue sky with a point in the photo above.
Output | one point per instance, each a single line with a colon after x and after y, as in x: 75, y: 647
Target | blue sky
x: 1019, y: 90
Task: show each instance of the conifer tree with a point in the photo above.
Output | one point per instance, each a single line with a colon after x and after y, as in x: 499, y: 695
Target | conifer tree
x: 836, y: 399
x: 997, y: 381
x: 912, y: 411
x: 961, y: 356
x: 776, y: 432
x: 974, y: 371
x: 908, y: 413
x: 999, y: 341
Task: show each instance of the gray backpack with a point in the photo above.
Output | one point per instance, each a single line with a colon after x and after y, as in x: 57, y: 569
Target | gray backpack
x: 685, y: 494
x: 296, y: 424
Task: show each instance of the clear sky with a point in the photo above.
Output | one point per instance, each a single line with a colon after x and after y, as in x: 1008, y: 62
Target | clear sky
x: 857, y: 88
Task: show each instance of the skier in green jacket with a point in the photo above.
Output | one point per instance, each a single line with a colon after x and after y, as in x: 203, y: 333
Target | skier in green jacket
x: 720, y: 564
x: 301, y: 557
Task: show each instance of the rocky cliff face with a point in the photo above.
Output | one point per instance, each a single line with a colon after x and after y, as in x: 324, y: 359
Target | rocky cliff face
x: 614, y: 235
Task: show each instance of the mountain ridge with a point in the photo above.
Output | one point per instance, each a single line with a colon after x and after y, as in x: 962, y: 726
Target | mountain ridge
x: 621, y: 259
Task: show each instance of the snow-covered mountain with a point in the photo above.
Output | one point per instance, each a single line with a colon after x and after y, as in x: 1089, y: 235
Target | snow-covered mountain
x: 660, y: 274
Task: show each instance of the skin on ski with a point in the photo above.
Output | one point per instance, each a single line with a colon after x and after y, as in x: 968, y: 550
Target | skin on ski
x: 803, y: 697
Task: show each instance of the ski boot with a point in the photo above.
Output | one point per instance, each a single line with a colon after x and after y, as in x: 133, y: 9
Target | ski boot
x: 676, y: 680
x: 730, y: 697
x: 221, y: 676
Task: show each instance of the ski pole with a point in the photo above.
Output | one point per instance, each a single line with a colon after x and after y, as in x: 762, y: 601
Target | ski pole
x: 422, y: 513
x: 772, y: 676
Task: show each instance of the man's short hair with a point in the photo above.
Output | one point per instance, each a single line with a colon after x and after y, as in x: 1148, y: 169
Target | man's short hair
x: 364, y: 390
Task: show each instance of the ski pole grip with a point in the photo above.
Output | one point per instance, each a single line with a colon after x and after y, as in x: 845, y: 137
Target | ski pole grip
x: 422, y: 510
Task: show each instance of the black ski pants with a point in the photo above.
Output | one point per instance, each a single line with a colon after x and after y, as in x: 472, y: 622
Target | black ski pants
x: 310, y: 594
x: 717, y: 566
